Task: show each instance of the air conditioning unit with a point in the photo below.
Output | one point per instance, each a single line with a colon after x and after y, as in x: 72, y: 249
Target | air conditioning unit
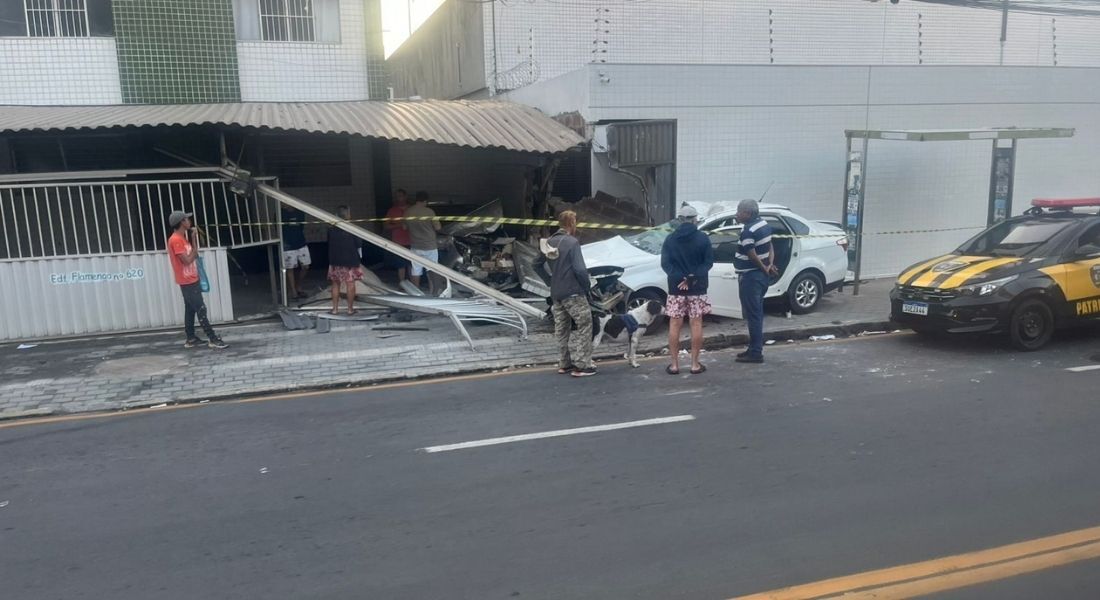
x: 599, y: 139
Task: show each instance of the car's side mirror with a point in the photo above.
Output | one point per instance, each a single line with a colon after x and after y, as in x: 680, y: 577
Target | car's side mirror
x: 1088, y: 251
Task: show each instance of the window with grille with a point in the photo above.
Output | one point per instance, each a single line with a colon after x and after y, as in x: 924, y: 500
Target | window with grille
x: 287, y: 20
x: 56, y: 18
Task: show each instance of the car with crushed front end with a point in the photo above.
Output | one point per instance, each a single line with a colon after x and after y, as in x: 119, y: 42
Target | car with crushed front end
x: 812, y: 258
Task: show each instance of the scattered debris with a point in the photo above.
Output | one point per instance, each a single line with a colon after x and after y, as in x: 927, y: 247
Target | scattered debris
x: 822, y: 338
x: 388, y: 336
x: 204, y: 402
x: 827, y: 399
x: 26, y: 346
x: 159, y: 406
x: 263, y: 470
x: 863, y: 333
x: 4, y: 503
x: 398, y: 328
x: 975, y: 381
x: 410, y: 289
x: 295, y: 322
x: 346, y: 317
x: 769, y: 342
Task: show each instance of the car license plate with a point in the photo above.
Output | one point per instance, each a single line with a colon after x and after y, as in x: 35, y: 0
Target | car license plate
x: 915, y: 308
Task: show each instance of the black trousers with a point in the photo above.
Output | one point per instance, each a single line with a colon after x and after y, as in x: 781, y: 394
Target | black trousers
x: 193, y: 306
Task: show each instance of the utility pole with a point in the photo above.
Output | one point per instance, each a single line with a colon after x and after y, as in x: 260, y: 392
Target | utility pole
x: 1004, y: 29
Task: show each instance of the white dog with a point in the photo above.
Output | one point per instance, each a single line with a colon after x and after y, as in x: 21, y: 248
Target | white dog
x: 632, y: 325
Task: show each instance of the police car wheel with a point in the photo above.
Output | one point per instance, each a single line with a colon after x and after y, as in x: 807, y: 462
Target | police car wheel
x: 805, y: 292
x: 1032, y: 325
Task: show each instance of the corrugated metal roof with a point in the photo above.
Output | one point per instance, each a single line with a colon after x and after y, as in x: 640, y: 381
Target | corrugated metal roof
x: 480, y: 124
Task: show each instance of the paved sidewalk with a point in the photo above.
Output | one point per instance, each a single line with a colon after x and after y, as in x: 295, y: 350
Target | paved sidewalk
x: 121, y: 372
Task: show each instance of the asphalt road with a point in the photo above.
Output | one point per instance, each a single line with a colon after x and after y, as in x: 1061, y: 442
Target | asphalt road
x: 832, y: 459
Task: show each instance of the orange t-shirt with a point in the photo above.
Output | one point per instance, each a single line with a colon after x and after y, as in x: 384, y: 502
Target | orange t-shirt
x: 400, y: 234
x: 185, y: 274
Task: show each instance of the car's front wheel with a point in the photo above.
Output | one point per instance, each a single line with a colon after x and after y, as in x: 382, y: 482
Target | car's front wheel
x: 642, y: 296
x: 1032, y: 325
x: 805, y: 292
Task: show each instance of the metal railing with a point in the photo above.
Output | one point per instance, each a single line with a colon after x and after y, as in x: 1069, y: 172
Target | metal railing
x: 48, y: 219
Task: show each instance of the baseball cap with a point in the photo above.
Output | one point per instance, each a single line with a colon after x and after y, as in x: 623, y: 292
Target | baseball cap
x: 686, y: 211
x: 177, y: 217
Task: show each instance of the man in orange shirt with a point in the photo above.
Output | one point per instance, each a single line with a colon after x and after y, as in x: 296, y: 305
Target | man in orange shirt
x: 183, y: 253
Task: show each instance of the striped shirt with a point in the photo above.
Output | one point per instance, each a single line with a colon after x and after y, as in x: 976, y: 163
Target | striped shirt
x: 755, y: 234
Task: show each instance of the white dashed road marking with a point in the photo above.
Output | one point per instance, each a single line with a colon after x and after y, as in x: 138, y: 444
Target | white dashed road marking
x: 557, y: 433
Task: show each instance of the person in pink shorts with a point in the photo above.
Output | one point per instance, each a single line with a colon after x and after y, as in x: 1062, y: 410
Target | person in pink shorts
x: 686, y: 257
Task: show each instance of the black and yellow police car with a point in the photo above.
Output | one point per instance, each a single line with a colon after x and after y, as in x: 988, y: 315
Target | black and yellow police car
x: 1024, y: 276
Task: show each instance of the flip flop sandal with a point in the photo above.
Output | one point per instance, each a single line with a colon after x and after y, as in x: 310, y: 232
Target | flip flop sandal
x: 702, y: 369
x: 352, y: 313
x: 670, y: 371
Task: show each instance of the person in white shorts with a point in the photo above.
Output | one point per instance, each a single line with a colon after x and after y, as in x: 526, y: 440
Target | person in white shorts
x: 296, y: 256
x: 423, y: 228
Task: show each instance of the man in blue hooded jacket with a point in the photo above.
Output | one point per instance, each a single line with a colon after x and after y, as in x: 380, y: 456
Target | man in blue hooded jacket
x: 686, y: 257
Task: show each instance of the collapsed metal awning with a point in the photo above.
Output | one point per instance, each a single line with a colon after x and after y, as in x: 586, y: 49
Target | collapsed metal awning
x: 515, y: 306
x: 469, y: 124
x: 457, y: 310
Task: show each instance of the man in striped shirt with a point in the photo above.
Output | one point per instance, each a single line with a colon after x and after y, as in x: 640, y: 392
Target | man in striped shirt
x: 755, y: 266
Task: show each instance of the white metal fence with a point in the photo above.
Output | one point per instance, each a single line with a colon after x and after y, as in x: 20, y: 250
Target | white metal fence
x: 39, y: 220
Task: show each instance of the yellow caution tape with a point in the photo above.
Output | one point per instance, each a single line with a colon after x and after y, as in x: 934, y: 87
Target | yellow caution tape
x: 580, y: 225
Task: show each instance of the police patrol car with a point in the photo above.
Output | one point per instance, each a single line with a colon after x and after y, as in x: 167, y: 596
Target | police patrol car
x: 1024, y: 276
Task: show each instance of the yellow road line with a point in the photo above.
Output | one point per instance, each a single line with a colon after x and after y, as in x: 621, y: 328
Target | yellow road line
x: 951, y: 572
x: 361, y: 388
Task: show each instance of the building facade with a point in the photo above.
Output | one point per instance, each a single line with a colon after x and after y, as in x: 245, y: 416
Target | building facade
x: 759, y: 94
x: 471, y: 49
x: 87, y: 52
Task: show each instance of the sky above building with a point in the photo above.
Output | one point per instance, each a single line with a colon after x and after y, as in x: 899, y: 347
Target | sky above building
x: 402, y: 17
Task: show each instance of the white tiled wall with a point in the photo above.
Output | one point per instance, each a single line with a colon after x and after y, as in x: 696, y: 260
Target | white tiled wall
x: 359, y: 196
x: 743, y: 128
x: 49, y: 71
x: 308, y: 72
x: 542, y: 40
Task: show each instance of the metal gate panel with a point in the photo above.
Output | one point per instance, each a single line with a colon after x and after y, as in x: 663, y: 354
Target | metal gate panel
x: 63, y: 296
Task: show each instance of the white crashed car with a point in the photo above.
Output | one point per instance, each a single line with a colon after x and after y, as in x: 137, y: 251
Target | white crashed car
x: 809, y: 267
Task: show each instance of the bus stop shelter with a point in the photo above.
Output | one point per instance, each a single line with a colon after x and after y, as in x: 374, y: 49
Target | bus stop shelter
x: 1002, y: 170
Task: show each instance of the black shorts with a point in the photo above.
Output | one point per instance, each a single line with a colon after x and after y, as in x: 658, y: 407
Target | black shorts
x: 395, y: 262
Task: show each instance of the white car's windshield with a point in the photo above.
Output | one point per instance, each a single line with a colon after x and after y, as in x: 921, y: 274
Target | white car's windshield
x: 651, y: 240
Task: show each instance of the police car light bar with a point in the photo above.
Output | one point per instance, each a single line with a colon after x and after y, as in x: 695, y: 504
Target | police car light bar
x: 1065, y: 202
